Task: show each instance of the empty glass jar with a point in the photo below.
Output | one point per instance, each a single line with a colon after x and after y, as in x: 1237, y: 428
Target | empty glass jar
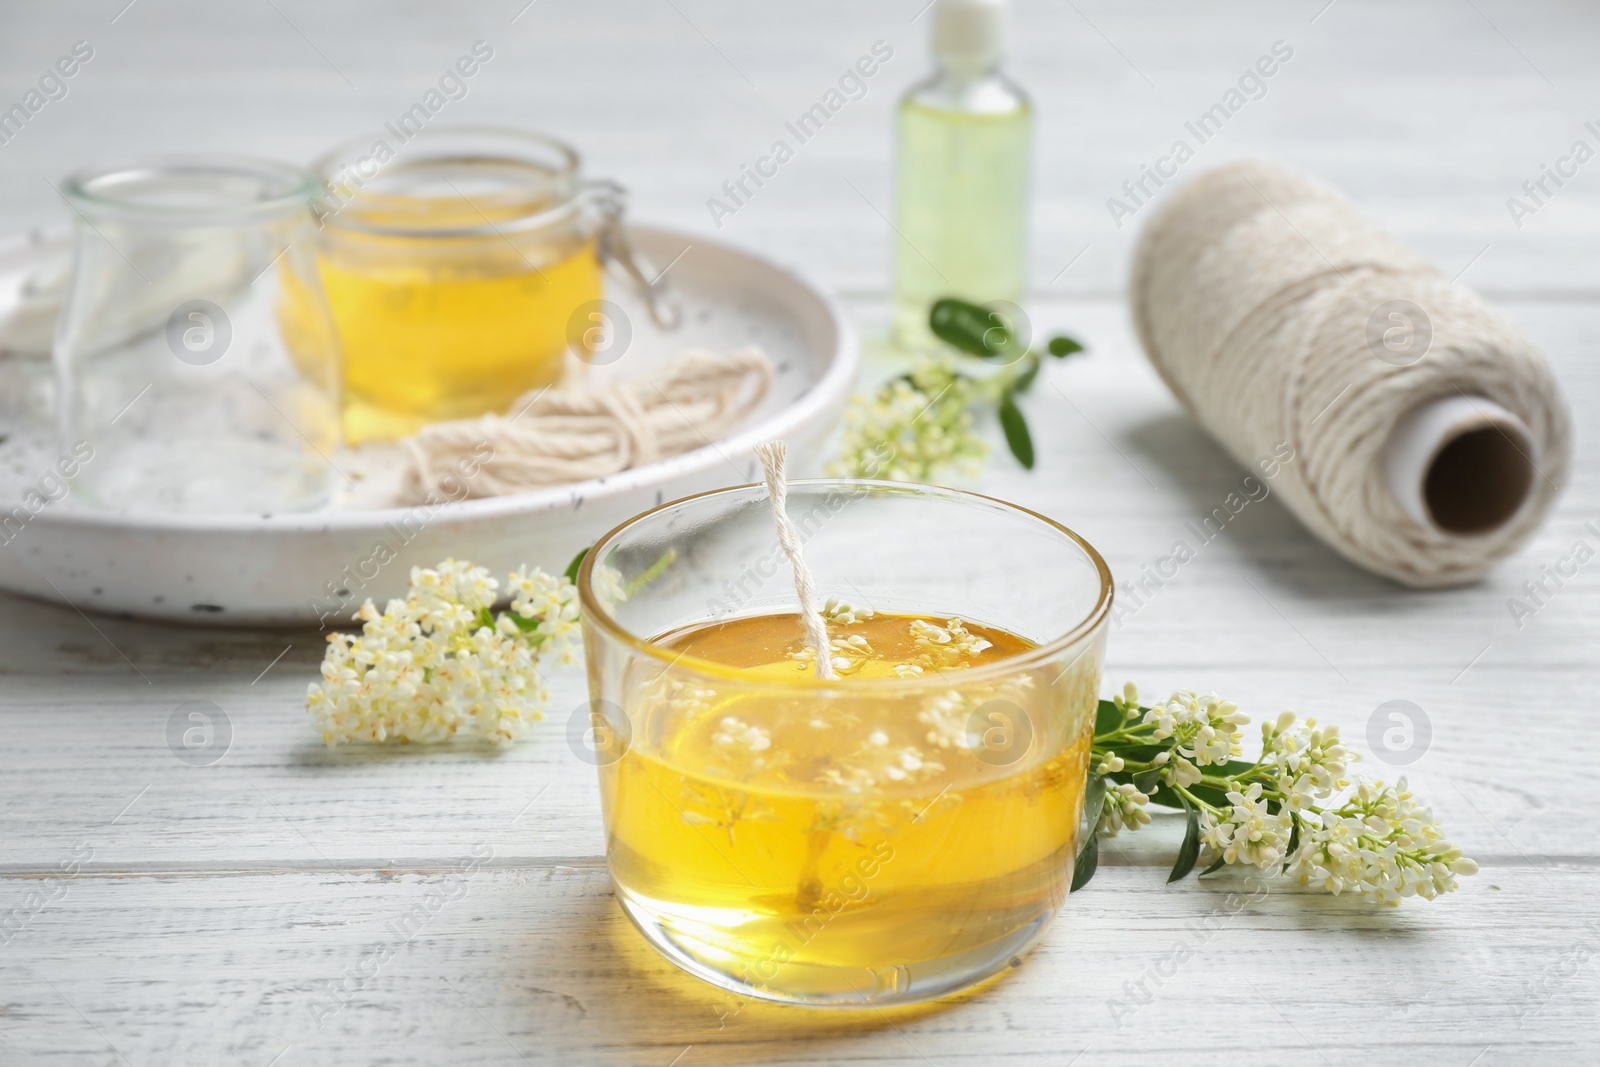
x: 195, y: 352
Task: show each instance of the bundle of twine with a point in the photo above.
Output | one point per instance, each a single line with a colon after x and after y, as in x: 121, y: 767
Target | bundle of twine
x: 580, y: 431
x: 1279, y: 314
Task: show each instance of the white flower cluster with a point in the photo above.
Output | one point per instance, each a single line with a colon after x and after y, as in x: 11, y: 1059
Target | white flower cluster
x: 1124, y: 806
x: 740, y: 745
x: 1245, y: 831
x: 947, y: 716
x: 1304, y: 764
x: 1294, y: 809
x: 1207, y: 729
x: 912, y: 430
x: 845, y: 613
x: 1380, y: 844
x: 441, y: 664
x: 947, y: 645
x: 1309, y: 763
x: 880, y: 763
x: 609, y: 588
x: 846, y: 654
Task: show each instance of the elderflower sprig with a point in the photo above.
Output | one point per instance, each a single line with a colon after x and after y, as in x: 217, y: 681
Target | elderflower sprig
x: 915, y: 428
x: 920, y: 427
x: 1295, y: 809
x: 442, y: 663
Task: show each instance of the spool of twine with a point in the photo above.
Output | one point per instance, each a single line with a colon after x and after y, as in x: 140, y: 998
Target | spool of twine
x: 1429, y: 438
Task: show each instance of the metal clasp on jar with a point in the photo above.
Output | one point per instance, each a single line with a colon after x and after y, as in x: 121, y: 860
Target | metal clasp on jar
x: 611, y: 199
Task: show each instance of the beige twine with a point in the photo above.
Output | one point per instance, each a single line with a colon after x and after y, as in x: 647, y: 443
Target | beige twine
x: 772, y: 456
x: 579, y: 432
x: 1252, y: 291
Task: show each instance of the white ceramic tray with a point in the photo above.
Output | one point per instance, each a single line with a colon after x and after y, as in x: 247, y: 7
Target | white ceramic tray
x: 315, y: 568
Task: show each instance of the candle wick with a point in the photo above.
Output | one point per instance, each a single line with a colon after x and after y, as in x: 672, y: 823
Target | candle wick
x: 772, y: 455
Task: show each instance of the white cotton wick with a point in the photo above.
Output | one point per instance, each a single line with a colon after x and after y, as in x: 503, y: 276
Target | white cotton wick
x: 772, y: 456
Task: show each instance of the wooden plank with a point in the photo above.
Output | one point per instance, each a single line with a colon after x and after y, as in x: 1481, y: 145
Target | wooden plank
x: 526, y: 965
x: 92, y: 764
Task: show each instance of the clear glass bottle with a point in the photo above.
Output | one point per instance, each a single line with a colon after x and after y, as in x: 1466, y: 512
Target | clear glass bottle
x: 963, y: 152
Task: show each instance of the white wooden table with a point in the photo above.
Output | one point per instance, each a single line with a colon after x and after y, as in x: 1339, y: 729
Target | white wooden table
x: 214, y: 908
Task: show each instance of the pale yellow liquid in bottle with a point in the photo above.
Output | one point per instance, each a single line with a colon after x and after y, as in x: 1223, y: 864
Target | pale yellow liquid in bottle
x: 961, y: 204
x: 814, y: 859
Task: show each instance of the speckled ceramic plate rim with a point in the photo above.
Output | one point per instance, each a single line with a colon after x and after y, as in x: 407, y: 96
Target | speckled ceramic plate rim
x: 828, y: 391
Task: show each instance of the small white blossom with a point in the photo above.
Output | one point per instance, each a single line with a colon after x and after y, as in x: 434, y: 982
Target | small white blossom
x: 847, y: 653
x: 946, y: 717
x: 945, y: 646
x: 1181, y: 773
x: 878, y: 763
x: 1309, y: 762
x: 844, y: 613
x: 739, y: 746
x: 1246, y: 832
x: 1124, y: 806
x: 609, y: 588
x: 1207, y: 727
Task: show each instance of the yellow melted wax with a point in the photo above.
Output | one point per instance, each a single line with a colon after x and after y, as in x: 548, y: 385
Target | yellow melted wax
x: 793, y: 842
x: 438, y: 327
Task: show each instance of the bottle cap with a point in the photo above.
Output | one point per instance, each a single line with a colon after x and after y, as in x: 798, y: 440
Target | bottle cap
x: 968, y: 33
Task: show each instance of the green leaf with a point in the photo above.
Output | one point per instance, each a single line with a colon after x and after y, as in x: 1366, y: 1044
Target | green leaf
x: 1094, y: 798
x: 1167, y: 797
x: 1217, y: 866
x: 1106, y: 718
x: 1024, y: 380
x: 1088, y: 860
x: 577, y: 561
x: 1294, y: 839
x: 1016, y: 428
x: 1210, y: 794
x: 1189, y: 851
x: 1064, y: 346
x: 971, y: 328
x: 1148, y: 781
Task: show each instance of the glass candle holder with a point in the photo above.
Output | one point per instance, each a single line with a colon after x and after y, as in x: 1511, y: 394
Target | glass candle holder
x: 461, y: 264
x: 177, y: 361
x: 895, y: 833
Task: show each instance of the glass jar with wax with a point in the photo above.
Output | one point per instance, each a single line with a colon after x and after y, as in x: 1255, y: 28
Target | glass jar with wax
x: 459, y: 266
x: 894, y: 833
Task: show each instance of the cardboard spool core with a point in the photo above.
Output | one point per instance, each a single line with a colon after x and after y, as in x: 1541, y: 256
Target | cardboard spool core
x: 1463, y: 466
